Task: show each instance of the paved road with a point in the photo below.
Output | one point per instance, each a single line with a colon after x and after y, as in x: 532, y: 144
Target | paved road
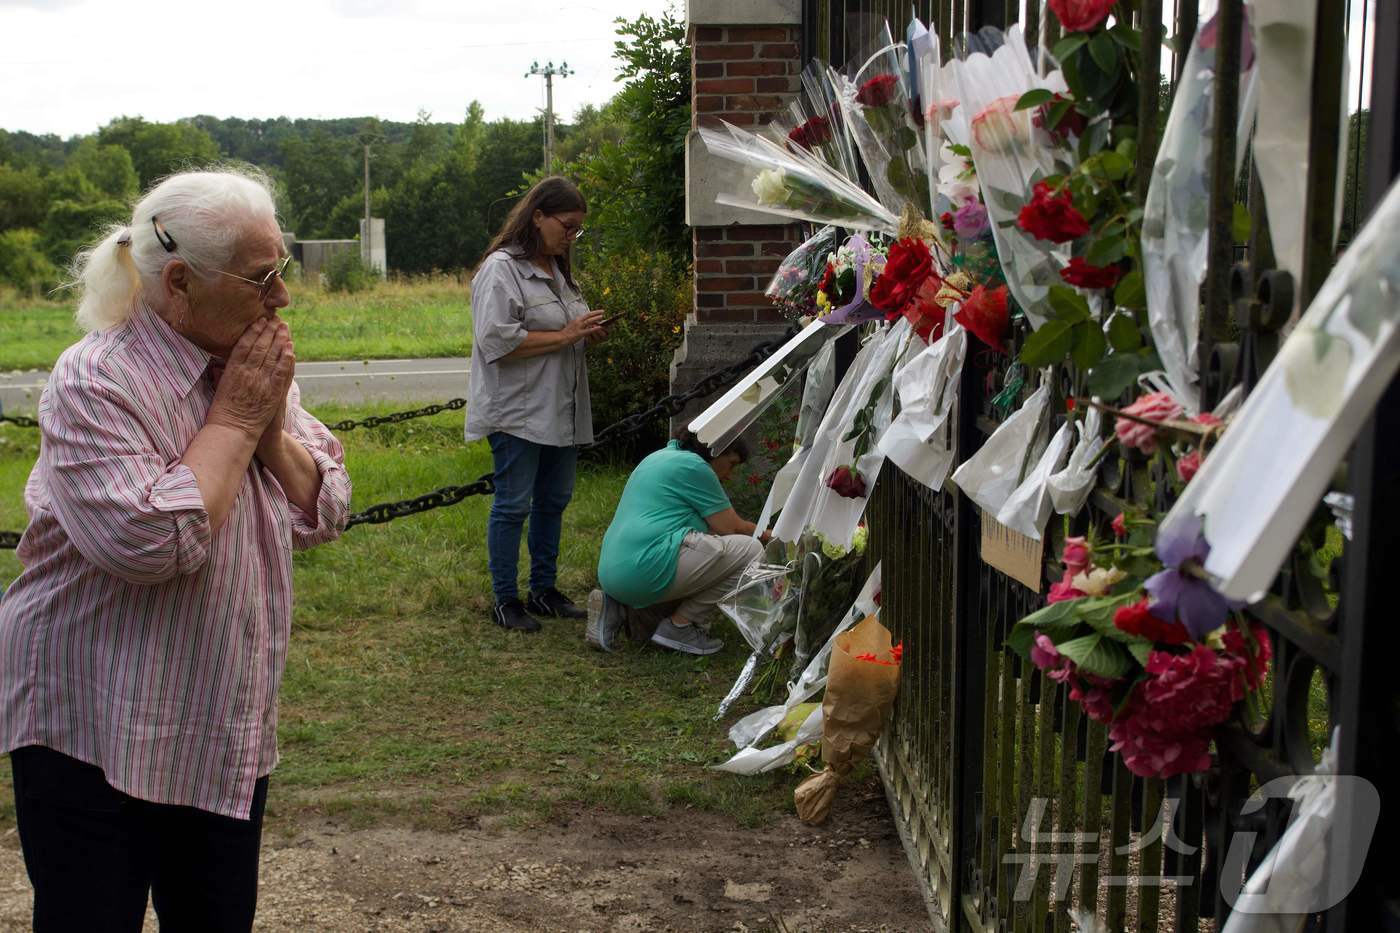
x: 351, y: 382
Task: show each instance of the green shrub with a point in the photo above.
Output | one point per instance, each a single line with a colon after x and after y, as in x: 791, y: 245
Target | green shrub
x: 345, y: 271
x: 650, y: 294
x: 23, y: 265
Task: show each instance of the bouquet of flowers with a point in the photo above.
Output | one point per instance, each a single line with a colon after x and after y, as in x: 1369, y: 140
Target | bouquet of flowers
x: 814, y: 124
x: 1161, y: 659
x: 886, y: 124
x: 792, y: 182
x: 843, y: 294
x: 795, y: 285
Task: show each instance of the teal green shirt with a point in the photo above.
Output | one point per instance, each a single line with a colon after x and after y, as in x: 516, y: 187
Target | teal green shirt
x: 668, y: 495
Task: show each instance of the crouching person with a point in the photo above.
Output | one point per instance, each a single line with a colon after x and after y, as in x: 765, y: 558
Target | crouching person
x: 675, y: 548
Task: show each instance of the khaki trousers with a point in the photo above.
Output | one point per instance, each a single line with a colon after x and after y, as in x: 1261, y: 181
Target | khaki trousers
x: 708, y: 568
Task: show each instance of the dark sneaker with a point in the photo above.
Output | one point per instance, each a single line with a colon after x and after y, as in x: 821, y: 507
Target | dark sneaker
x: 554, y: 603
x: 606, y: 619
x: 511, y: 615
x: 688, y: 638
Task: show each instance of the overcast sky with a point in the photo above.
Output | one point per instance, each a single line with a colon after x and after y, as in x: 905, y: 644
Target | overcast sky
x: 69, y: 66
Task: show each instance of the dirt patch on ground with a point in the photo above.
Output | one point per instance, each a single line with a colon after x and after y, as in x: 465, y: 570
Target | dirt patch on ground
x: 592, y: 870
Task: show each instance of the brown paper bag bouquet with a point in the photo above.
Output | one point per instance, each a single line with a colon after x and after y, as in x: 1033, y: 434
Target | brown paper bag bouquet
x: 860, y: 688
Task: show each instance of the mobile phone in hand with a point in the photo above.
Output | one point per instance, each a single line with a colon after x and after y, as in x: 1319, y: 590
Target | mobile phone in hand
x: 608, y: 320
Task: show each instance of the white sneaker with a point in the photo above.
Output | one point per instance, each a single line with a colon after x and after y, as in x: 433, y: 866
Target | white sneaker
x: 606, y: 617
x: 688, y: 638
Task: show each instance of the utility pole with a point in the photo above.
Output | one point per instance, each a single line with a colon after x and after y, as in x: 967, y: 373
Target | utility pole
x: 548, y: 71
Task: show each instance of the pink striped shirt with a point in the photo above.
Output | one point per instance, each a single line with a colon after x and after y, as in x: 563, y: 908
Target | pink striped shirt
x: 134, y: 639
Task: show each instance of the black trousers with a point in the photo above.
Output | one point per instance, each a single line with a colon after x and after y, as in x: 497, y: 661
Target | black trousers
x: 94, y: 853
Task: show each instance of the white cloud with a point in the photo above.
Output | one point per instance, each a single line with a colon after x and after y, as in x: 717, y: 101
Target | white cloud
x: 69, y: 67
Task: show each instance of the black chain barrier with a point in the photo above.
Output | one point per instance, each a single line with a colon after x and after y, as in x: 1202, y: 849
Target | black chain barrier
x: 669, y: 407
x: 19, y: 421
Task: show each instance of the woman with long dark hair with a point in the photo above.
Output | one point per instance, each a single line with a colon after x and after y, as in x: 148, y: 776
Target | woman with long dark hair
x: 529, y: 391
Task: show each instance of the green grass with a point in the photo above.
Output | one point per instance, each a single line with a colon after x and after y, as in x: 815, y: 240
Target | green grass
x: 428, y: 317
x: 402, y: 702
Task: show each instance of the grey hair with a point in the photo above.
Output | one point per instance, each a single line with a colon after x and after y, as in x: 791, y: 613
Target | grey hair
x: 206, y: 213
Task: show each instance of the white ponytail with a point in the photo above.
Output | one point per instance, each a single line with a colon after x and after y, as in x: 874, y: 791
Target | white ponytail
x: 205, y: 212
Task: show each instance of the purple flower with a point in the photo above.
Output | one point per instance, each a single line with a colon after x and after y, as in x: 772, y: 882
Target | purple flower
x: 970, y: 221
x: 1181, y: 593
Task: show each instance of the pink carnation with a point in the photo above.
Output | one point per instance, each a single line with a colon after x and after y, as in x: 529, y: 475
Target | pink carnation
x: 1155, y: 407
x: 1151, y: 754
x: 1092, y: 694
x: 1188, y: 465
x: 1063, y: 590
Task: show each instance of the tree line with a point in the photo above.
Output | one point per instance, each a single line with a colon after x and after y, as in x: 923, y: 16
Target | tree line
x: 442, y: 187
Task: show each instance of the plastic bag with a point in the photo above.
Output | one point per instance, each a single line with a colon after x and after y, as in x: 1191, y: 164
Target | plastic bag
x: 1027, y: 509
x: 755, y: 727
x: 991, y: 475
x: 1070, y: 488
x: 920, y: 440
x: 760, y: 602
x: 1175, y: 223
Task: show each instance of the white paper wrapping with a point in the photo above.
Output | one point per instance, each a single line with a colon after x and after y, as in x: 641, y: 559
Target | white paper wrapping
x: 1011, y: 155
x: 1283, y: 42
x: 1261, y: 482
x: 752, y: 729
x: 1027, y: 509
x: 812, y: 505
x: 1176, y: 217
x: 921, y: 439
x: 991, y: 475
x: 1070, y: 487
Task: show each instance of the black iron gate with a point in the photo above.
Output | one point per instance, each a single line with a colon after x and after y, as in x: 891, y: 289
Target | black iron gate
x: 1003, y: 791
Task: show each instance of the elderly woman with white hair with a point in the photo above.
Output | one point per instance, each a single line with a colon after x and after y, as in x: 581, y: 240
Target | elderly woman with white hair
x: 142, y: 646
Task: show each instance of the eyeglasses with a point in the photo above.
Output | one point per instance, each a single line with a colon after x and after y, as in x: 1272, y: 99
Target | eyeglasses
x: 265, y: 283
x: 572, y: 231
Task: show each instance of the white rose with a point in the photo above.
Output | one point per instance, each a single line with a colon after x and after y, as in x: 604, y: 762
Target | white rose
x: 1098, y: 581
x: 770, y: 187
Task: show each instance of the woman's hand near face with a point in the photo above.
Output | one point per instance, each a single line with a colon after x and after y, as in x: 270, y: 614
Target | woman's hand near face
x: 258, y: 374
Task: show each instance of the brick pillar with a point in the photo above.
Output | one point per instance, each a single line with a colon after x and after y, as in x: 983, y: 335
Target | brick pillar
x: 745, y: 63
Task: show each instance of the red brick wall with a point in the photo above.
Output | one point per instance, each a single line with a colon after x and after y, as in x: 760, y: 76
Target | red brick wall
x: 744, y: 75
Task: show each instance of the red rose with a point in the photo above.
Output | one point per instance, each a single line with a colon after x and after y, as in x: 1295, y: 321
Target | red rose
x: 923, y: 311
x: 815, y: 132
x: 1051, y: 215
x: 1073, y: 123
x: 908, y: 264
x: 984, y: 314
x: 1082, y: 274
x: 877, y: 92
x: 1081, y: 15
x: 1136, y: 620
x: 946, y: 219
x: 828, y: 279
x: 847, y: 483
x: 1120, y: 526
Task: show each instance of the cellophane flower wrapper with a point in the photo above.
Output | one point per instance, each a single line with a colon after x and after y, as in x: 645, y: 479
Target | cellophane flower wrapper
x: 814, y: 122
x: 1260, y: 484
x: 991, y: 475
x: 1011, y: 154
x: 865, y: 261
x: 753, y: 729
x: 791, y: 183
x: 934, y: 99
x: 877, y: 106
x: 764, y: 603
x: 1176, y: 221
x: 814, y: 506
x: 830, y: 581
x: 794, y: 284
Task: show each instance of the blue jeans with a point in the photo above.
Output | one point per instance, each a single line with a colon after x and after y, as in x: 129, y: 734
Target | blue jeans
x: 533, y: 481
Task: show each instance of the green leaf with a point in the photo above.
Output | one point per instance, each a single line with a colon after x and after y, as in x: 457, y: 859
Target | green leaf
x: 1130, y: 292
x: 1068, y: 46
x: 1114, y: 165
x: 1127, y: 148
x: 1069, y: 305
x: 1127, y: 36
x: 1050, y: 344
x: 1106, y: 250
x: 1141, y: 650
x: 1123, y: 333
x: 1059, y: 618
x: 1240, y: 223
x: 1098, y: 613
x: 1089, y: 344
x: 1057, y: 113
x: 960, y: 149
x: 1094, y: 654
x: 1112, y: 375
x: 1034, y: 98
x: 1104, y: 52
